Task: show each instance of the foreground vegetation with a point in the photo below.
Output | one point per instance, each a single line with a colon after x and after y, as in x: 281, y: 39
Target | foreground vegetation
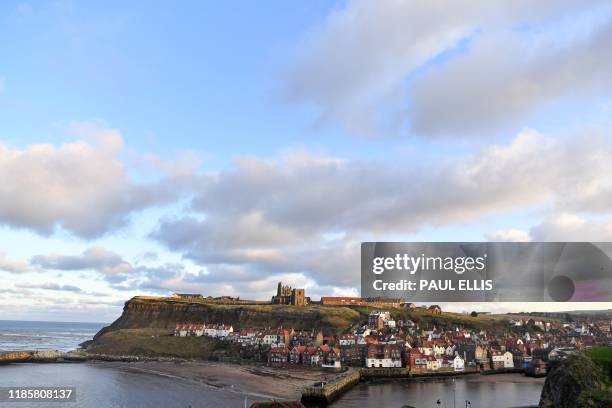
x: 582, y: 380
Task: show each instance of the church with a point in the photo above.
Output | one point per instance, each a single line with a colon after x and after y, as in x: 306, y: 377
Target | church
x: 286, y: 295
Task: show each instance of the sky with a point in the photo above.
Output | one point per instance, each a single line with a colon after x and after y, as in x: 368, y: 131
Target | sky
x: 220, y: 147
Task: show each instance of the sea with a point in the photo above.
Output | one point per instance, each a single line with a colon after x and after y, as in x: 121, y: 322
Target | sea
x: 104, y: 385
x: 31, y: 335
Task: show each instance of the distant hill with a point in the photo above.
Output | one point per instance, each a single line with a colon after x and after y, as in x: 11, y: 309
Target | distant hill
x: 593, y: 314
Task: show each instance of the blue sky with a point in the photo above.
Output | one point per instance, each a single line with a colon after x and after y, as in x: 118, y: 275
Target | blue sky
x: 221, y: 147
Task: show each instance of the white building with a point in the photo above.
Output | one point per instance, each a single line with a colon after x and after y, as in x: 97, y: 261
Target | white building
x: 458, y: 363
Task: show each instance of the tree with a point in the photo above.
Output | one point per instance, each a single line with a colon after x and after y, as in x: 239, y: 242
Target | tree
x: 474, y: 314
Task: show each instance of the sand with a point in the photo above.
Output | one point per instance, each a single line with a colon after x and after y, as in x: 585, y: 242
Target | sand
x: 262, y: 382
x: 267, y: 382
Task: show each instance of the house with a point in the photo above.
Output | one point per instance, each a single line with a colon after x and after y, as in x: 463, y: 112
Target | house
x: 210, y: 330
x: 353, y: 355
x: 416, y: 360
x: 497, y: 359
x: 432, y: 363
x: 270, y: 338
x: 384, y: 355
x: 376, y: 320
x: 458, y: 363
x: 278, y: 356
x: 181, y: 330
x: 307, y: 356
x: 347, y: 339
x: 508, y: 360
x: 224, y: 330
x: 435, y: 309
x: 295, y: 355
x: 332, y: 359
x: 480, y: 353
x: 501, y: 359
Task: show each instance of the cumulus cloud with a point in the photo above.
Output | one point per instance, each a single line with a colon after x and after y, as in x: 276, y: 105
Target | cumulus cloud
x: 277, y: 215
x: 484, y: 88
x: 356, y: 67
x: 510, y: 235
x: 573, y: 227
x: 12, y: 266
x: 82, y: 187
x: 95, y: 258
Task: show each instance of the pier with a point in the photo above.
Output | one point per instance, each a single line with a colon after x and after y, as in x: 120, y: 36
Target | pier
x: 326, y: 392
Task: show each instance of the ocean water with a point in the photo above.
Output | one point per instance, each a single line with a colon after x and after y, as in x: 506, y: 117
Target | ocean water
x: 101, y: 386
x: 63, y: 336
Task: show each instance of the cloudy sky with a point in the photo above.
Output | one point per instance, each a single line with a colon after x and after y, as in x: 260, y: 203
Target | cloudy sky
x: 219, y: 147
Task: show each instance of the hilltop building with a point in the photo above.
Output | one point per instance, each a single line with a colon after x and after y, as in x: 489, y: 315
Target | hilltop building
x: 286, y: 295
x: 357, y: 301
x: 188, y: 296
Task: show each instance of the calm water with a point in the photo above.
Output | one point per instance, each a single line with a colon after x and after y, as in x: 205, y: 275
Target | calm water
x: 98, y: 386
x: 16, y: 335
x: 480, y: 393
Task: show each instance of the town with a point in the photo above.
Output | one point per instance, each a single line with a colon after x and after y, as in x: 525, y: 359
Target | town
x: 519, y: 343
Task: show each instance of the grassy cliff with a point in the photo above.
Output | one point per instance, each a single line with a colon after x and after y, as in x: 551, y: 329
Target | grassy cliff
x: 162, y: 315
x: 146, y: 324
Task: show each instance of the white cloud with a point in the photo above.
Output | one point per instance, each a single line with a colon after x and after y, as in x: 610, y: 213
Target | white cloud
x: 49, y: 286
x: 95, y: 258
x: 510, y: 235
x: 484, y: 88
x: 12, y: 266
x: 307, y: 214
x: 356, y: 67
x: 572, y: 227
x: 81, y: 187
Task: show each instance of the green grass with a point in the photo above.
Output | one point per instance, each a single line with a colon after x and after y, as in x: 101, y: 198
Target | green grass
x: 153, y: 343
x: 602, y: 356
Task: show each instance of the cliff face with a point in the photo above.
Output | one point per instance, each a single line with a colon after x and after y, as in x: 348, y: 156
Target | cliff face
x: 165, y: 313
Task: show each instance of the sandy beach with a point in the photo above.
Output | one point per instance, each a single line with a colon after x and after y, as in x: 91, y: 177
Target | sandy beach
x: 263, y: 382
x: 268, y: 382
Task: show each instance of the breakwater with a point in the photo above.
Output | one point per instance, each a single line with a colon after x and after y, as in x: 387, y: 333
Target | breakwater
x: 40, y: 356
x: 326, y: 392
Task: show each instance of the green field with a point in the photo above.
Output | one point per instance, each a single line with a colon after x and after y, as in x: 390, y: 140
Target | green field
x: 602, y: 356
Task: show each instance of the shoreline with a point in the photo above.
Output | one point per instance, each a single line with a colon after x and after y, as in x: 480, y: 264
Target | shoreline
x: 235, y: 378
x: 258, y: 382
x: 252, y: 380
